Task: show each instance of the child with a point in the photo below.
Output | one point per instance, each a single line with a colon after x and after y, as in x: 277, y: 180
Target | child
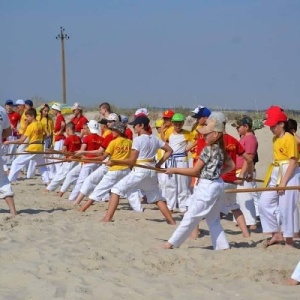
x: 91, y: 141
x: 205, y: 201
x: 295, y: 278
x: 279, y: 208
x: 5, y: 187
x: 48, y: 125
x: 143, y: 151
x: 35, y: 134
x: 119, y: 149
x: 71, y: 144
x: 177, y: 186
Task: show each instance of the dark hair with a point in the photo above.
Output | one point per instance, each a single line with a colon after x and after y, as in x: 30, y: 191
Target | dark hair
x: 292, y: 124
x: 41, y: 116
x: 31, y: 112
x: 106, y: 106
x: 71, y: 126
x: 287, y: 127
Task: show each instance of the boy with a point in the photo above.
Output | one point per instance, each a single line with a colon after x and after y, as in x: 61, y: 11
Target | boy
x: 5, y: 187
x: 91, y: 141
x: 118, y: 148
x: 71, y: 144
x: 35, y: 134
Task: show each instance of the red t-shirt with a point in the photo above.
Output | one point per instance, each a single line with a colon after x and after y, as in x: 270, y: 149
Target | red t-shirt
x: 93, y: 142
x: 128, y: 133
x: 200, y: 144
x: 107, y: 140
x: 57, y: 126
x: 79, y: 122
x: 233, y: 148
x: 73, y: 143
x: 14, y: 119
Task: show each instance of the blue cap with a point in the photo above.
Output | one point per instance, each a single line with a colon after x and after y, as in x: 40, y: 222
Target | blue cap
x: 201, y: 112
x: 124, y: 119
x: 29, y: 102
x: 9, y: 102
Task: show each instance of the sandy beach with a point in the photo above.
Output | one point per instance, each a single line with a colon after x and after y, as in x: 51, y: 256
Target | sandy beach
x: 51, y: 251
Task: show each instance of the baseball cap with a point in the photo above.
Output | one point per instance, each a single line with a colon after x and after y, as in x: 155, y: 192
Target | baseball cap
x: 141, y: 111
x: 103, y: 121
x: 118, y: 126
x: 76, y: 105
x: 275, y: 114
x: 178, y: 117
x: 124, y: 119
x: 29, y: 103
x: 168, y: 114
x: 113, y: 117
x: 215, y: 122
x: 56, y: 106
x: 9, y: 102
x: 159, y: 123
x: 244, y: 120
x: 20, y: 102
x: 93, y: 126
x: 201, y: 111
x: 140, y: 120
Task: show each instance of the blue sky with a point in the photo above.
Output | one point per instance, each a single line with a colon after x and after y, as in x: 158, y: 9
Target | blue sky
x: 166, y: 53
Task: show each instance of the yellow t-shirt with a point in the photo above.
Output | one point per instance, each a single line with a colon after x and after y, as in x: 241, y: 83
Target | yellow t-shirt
x: 285, y: 147
x: 119, y: 149
x: 48, y: 127
x: 168, y: 132
x: 106, y: 132
x: 23, y: 125
x: 195, y: 133
x: 160, y: 152
x: 35, y: 133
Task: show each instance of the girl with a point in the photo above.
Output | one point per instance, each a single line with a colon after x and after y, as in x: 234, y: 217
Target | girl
x: 204, y: 202
x: 48, y: 125
x: 280, y: 207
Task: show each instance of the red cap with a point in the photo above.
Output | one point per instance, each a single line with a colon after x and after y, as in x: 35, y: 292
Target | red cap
x: 168, y: 114
x: 275, y: 114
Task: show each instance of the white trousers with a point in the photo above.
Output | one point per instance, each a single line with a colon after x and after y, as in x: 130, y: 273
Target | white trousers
x: 139, y: 179
x: 77, y: 176
x: 5, y: 187
x: 177, y: 188
x: 93, y: 180
x: 296, y: 273
x: 106, y: 183
x: 22, y: 160
x: 53, y: 169
x: 275, y: 210
x: 61, y: 175
x: 255, y: 195
x: 205, y: 203
x: 246, y: 203
x: 228, y: 200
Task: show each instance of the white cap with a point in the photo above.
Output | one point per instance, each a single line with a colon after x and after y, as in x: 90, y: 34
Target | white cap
x: 113, y: 117
x: 93, y: 126
x: 20, y: 102
x: 142, y: 111
x: 56, y: 106
x: 76, y: 105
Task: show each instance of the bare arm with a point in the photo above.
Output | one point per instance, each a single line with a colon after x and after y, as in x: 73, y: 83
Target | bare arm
x: 293, y: 165
x: 168, y: 152
x: 18, y: 141
x: 194, y: 172
x: 99, y: 151
x: 6, y: 132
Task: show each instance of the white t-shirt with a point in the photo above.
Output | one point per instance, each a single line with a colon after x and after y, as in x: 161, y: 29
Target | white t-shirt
x: 147, y: 145
x: 4, y: 122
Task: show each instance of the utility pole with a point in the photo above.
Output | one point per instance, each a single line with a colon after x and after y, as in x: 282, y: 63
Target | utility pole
x: 62, y: 37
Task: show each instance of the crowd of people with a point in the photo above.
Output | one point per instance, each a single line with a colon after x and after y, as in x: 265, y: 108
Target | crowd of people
x: 180, y: 171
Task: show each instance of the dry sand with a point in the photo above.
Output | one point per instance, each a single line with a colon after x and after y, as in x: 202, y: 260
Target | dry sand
x: 51, y: 251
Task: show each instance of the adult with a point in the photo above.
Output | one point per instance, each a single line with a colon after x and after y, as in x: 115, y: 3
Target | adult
x: 105, y: 109
x: 79, y: 120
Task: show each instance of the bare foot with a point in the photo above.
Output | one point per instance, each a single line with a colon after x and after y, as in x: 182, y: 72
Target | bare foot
x: 252, y: 227
x: 297, y: 235
x: 276, y: 239
x: 291, y: 282
x: 167, y: 245
x: 104, y: 220
x: 60, y: 194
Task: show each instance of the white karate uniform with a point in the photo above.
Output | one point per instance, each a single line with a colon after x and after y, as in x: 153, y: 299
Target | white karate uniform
x: 106, y: 183
x: 142, y: 179
x: 61, y: 175
x: 296, y: 273
x: 246, y: 203
x: 53, y: 169
x: 276, y: 210
x: 22, y: 160
x: 228, y: 200
x: 77, y: 176
x: 203, y: 203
